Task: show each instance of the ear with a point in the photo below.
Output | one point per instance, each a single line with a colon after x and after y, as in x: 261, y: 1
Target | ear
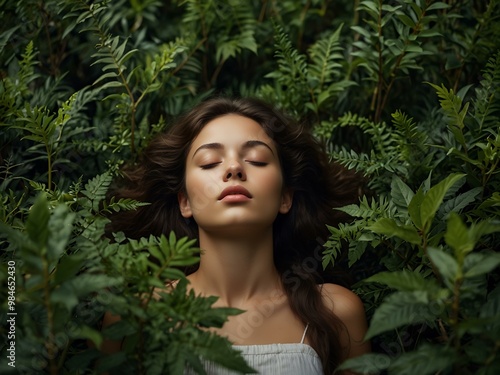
x: 286, y: 201
x: 184, y: 205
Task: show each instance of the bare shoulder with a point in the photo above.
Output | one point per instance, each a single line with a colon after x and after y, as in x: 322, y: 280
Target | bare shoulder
x: 349, y: 308
x: 343, y: 302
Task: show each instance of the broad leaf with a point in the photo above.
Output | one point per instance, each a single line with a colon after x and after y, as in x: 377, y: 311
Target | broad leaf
x: 60, y: 227
x: 401, y: 308
x: 371, y: 363
x: 426, y: 360
x: 390, y: 228
x: 445, y: 264
x: 400, y: 192
x: 414, y: 208
x: 37, y: 223
x: 434, y: 197
x: 404, y: 281
x: 457, y: 237
x: 482, y: 264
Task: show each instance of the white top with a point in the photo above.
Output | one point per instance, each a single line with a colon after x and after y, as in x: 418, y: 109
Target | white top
x: 274, y: 359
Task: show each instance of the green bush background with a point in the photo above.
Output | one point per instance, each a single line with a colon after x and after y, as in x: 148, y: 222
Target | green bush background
x: 407, y: 92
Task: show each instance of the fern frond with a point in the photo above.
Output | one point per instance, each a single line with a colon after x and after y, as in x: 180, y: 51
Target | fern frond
x: 291, y: 64
x: 123, y: 204
x: 242, y: 35
x: 324, y: 55
x: 452, y: 107
x: 408, y: 128
x: 352, y: 160
x: 95, y: 190
x: 487, y: 102
x: 292, y: 71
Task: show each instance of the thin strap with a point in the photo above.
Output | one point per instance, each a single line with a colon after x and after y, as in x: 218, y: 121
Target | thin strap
x: 304, y: 334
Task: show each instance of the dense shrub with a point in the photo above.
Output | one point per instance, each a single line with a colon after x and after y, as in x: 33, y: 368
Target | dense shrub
x: 406, y: 92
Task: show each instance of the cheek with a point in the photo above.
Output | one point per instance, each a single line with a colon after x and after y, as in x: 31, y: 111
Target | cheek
x: 273, y: 182
x: 200, y: 190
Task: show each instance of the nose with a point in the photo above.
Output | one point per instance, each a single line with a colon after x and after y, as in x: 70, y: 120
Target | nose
x: 236, y: 171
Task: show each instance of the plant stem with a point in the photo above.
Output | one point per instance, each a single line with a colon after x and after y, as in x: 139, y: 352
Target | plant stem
x: 49, y: 344
x: 302, y: 18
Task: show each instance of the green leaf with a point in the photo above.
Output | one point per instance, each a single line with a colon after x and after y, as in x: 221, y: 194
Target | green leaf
x: 400, y: 192
x: 18, y: 239
x: 462, y: 239
x: 457, y: 237
x: 483, y: 264
x: 218, y: 349
x: 69, y: 292
x: 404, y: 280
x: 414, y: 208
x: 445, y: 263
x: 434, y: 197
x: 483, y: 228
x: 60, y: 228
x: 458, y: 203
x: 85, y: 332
x: 37, y: 223
x: 390, y: 228
x: 406, y: 20
x: 426, y: 360
x: 371, y: 363
x: 438, y: 5
x: 68, y: 267
x: 401, y: 308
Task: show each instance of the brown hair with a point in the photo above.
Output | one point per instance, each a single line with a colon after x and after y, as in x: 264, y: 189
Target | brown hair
x: 317, y: 185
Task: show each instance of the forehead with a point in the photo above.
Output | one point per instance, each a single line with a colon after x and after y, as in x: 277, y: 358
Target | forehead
x: 231, y: 130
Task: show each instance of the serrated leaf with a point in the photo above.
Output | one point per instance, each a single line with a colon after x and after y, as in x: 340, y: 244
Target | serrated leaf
x: 434, y: 197
x: 154, y: 251
x: 445, y: 264
x: 401, y: 193
x: 404, y: 281
x: 483, y: 264
x: 457, y: 237
x: 219, y: 350
x: 459, y: 202
x: 390, y: 228
x: 426, y: 360
x: 398, y: 309
x: 371, y: 363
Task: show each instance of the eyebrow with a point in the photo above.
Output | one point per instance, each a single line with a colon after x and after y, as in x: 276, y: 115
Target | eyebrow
x: 247, y: 145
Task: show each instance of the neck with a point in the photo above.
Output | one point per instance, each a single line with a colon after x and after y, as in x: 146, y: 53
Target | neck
x: 237, y: 269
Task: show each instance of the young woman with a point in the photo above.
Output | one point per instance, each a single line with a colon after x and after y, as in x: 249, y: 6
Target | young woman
x: 257, y: 191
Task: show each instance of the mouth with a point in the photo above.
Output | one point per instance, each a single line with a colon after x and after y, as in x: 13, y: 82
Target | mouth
x: 235, y: 192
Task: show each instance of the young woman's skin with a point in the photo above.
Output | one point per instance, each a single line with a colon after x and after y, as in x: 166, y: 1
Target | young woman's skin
x: 220, y: 169
x: 232, y: 155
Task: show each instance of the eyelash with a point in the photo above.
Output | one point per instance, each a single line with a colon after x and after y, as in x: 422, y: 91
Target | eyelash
x: 209, y: 166
x: 255, y: 163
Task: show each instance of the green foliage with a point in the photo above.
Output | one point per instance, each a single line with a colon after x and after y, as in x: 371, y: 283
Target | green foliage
x: 407, y: 94
x: 68, y: 274
x: 438, y: 245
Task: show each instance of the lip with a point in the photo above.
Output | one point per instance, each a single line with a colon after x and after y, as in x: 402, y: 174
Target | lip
x: 235, y: 193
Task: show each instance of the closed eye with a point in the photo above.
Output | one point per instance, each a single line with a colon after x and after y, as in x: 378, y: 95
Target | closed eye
x: 257, y: 163
x: 209, y: 166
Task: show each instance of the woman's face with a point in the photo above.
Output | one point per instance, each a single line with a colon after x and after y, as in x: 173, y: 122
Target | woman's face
x: 233, y: 177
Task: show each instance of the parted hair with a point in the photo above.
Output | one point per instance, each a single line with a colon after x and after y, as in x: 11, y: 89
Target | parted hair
x: 318, y: 185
